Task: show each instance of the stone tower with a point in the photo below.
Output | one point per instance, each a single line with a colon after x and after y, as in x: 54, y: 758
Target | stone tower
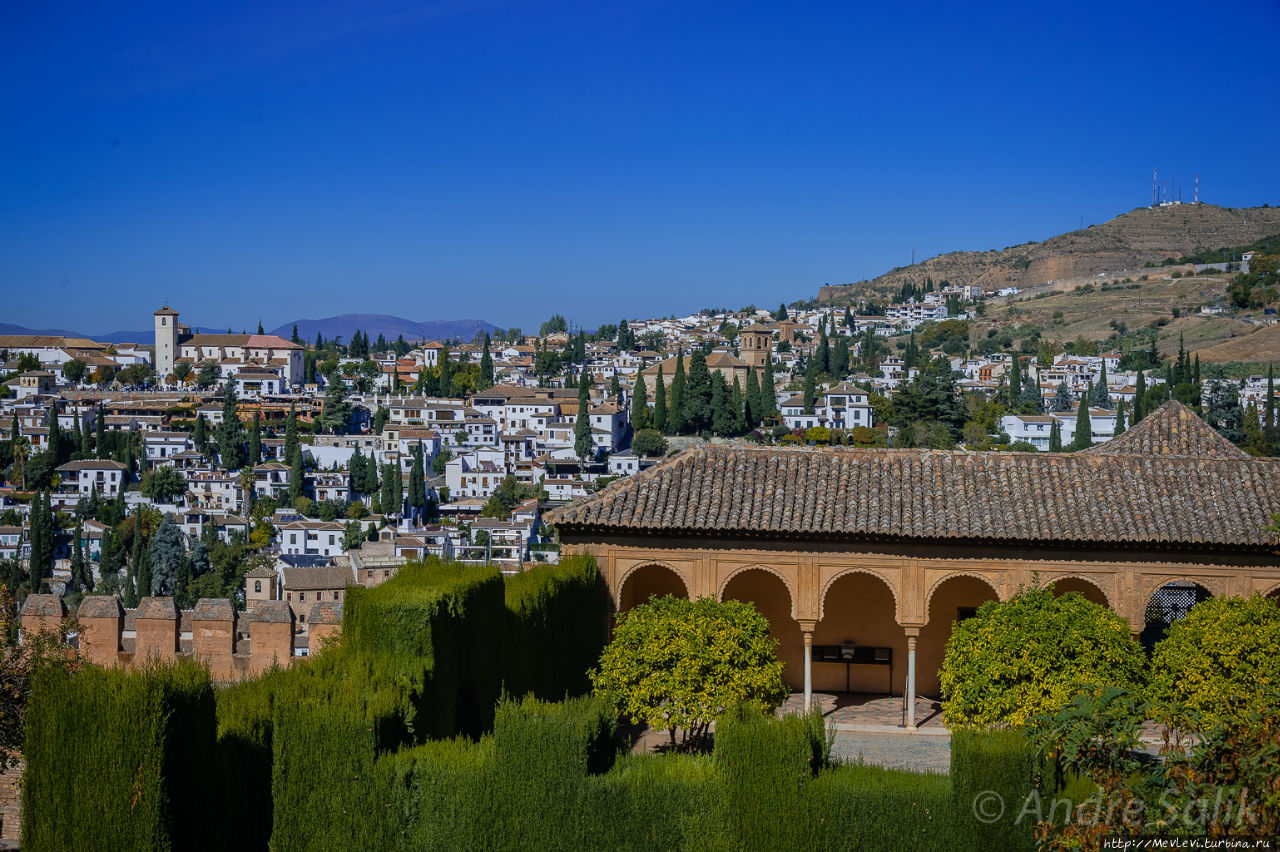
x: 755, y: 345
x: 166, y: 340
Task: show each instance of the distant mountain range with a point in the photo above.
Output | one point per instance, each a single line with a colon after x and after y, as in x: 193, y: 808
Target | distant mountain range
x: 344, y: 325
x: 388, y: 326
x: 148, y: 336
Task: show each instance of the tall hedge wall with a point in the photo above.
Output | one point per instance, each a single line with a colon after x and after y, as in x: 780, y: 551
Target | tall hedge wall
x: 121, y: 761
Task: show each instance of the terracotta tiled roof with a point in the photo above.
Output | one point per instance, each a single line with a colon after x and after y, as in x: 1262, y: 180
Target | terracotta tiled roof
x: 1204, y: 497
x: 1171, y: 430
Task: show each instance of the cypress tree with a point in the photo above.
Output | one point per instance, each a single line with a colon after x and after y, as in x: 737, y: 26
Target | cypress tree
x: 99, y: 430
x: 1139, y: 403
x: 698, y: 412
x: 582, y: 443
x: 200, y: 434
x: 142, y: 575
x: 255, y: 440
x: 417, y: 485
x: 77, y: 560
x: 660, y: 403
x: 810, y: 391
x: 297, y: 477
x: 230, y: 431
x: 1055, y: 436
x: 56, y: 443
x: 753, y: 405
x: 840, y: 357
x: 615, y: 389
x: 486, y: 366
x: 1270, y: 408
x: 355, y: 470
x: 675, y: 406
x: 1015, y: 383
x: 1084, y: 432
x: 768, y: 393
x: 77, y: 439
x: 736, y: 403
x: 823, y: 354
x: 640, y: 416
x: 1120, y: 414
x: 1101, y: 396
x: 291, y: 448
x: 721, y: 414
x: 392, y: 490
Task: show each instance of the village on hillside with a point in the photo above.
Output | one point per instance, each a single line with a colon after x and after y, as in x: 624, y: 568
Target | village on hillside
x: 260, y: 468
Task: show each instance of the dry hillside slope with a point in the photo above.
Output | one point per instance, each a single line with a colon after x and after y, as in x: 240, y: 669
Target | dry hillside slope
x: 1124, y: 243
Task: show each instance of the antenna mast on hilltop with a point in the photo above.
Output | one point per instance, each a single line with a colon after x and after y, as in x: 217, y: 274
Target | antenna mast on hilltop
x: 1155, y: 187
x: 1197, y: 187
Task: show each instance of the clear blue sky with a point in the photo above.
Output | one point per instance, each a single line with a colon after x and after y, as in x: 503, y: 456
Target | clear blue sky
x: 442, y: 160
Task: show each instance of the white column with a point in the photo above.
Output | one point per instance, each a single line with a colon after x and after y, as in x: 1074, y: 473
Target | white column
x: 808, y: 670
x: 911, y: 683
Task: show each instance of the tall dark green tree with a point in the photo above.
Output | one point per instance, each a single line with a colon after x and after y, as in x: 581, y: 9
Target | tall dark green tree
x: 582, y: 443
x: 230, y: 431
x: 1101, y: 397
x: 392, y: 495
x: 1055, y: 436
x: 754, y: 412
x: 697, y: 394
x: 356, y: 471
x: 822, y: 356
x: 1139, y: 398
x: 641, y: 418
x: 1121, y: 414
x: 255, y: 440
x: 1083, y: 437
x: 810, y: 390
x: 1062, y: 397
x: 840, y: 357
x: 417, y: 485
x: 486, y: 366
x: 675, y: 405
x: 336, y: 417
x: 722, y: 419
x: 1015, y: 383
x: 297, y: 477
x: 615, y: 389
x: 737, y: 404
x: 768, y: 392
x: 660, y: 403
x: 1269, y: 410
x: 291, y: 447
x: 200, y: 434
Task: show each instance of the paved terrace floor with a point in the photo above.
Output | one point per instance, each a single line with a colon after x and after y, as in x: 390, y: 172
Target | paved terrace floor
x: 871, y: 712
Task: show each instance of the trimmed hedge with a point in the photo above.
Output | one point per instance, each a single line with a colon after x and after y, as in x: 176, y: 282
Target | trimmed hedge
x: 555, y: 629
x: 121, y: 760
x: 1002, y: 762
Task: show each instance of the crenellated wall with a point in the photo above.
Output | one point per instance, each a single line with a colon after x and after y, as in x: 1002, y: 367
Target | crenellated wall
x: 233, y: 645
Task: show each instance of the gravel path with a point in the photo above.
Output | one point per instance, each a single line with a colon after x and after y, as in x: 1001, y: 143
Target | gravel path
x: 919, y: 753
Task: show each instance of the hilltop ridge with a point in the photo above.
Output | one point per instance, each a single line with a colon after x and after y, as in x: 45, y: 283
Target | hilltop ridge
x: 1146, y: 234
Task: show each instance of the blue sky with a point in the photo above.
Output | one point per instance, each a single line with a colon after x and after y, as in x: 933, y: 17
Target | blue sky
x: 508, y: 160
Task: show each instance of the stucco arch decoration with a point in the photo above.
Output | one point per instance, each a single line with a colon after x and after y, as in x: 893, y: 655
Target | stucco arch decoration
x: 1085, y: 578
x: 621, y: 585
x: 1215, y: 586
x: 985, y: 580
x: 791, y: 592
x: 893, y: 590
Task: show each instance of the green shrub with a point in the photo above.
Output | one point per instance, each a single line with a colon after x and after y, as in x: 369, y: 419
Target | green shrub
x: 866, y: 807
x: 1003, y: 763
x: 1030, y: 654
x: 121, y: 760
x: 555, y: 628
x: 1220, y: 662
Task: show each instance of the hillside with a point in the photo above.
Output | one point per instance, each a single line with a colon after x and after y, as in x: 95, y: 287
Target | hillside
x: 391, y: 327
x: 1261, y: 345
x: 1123, y: 244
